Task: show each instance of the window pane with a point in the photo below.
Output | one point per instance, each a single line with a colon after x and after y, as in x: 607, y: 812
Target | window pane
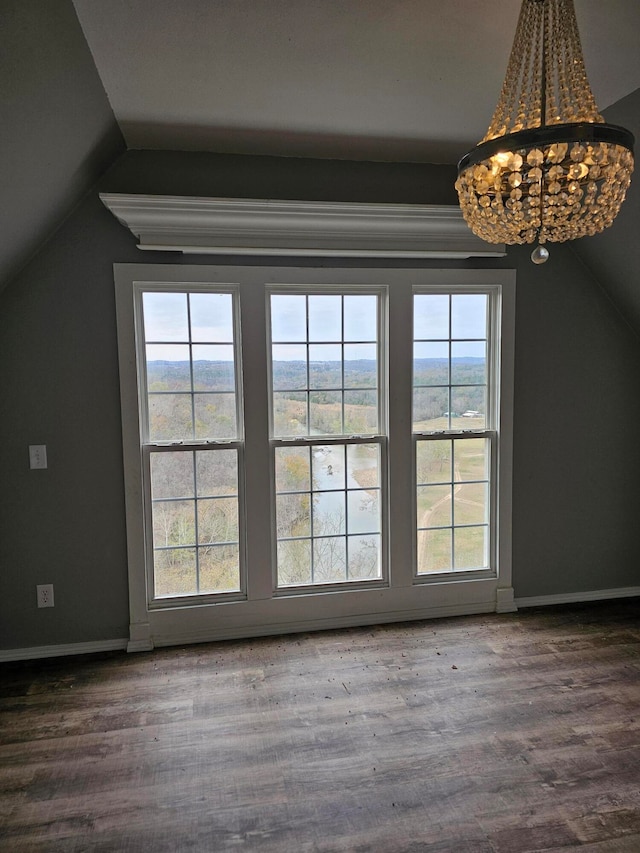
x: 189, y: 368
x: 173, y: 523
x: 433, y: 461
x: 328, y: 513
x: 365, y: 558
x: 468, y: 363
x: 289, y: 367
x: 470, y: 547
x: 434, y: 506
x: 431, y: 317
x: 361, y: 317
x: 469, y: 402
x: 294, y: 562
x: 469, y: 315
x: 174, y: 572
x: 325, y: 318
x: 289, y: 413
x: 471, y: 504
x: 430, y: 408
x: 170, y: 417
x: 434, y: 551
x: 213, y: 368
x: 292, y: 469
x: 363, y: 511
x: 471, y: 459
x: 293, y: 515
x: 178, y: 523
x: 459, y: 498
x: 172, y: 475
x: 216, y: 472
x: 329, y: 559
x: 363, y: 466
x: 460, y: 363
x: 165, y: 316
x: 360, y: 366
x: 325, y: 366
x: 211, y: 317
x: 215, y: 416
x: 168, y: 367
x: 431, y: 364
x: 288, y: 317
x: 328, y: 467
x: 341, y: 512
x: 325, y: 412
x: 219, y: 568
x: 360, y: 412
x: 217, y: 520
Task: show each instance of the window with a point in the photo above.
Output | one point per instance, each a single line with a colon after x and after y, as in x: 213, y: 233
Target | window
x: 191, y: 429
x: 327, y: 414
x: 313, y: 447
x: 454, y: 384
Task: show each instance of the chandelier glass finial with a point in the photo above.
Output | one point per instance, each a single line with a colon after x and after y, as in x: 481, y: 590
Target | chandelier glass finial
x: 549, y: 168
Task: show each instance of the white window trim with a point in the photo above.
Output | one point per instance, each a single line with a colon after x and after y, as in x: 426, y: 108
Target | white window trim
x: 264, y: 227
x: 261, y: 612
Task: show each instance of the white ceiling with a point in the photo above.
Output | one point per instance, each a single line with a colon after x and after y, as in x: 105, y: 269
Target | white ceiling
x: 405, y: 80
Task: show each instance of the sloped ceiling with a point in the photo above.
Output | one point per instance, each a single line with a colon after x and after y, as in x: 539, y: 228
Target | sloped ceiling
x: 400, y: 80
x: 404, y: 80
x: 58, y: 132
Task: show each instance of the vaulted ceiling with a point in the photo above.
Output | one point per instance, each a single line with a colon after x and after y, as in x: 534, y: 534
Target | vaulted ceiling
x: 398, y: 80
x: 405, y: 80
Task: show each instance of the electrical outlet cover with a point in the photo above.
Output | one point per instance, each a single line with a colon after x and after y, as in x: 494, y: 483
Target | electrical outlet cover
x: 44, y: 592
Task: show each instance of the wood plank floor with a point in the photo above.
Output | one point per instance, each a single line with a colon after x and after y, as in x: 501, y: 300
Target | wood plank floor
x: 488, y: 734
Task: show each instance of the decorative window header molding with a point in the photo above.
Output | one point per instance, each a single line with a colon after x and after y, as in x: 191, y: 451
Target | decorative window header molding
x: 232, y: 226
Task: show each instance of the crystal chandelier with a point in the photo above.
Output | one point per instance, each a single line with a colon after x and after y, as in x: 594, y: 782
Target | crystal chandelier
x: 549, y: 168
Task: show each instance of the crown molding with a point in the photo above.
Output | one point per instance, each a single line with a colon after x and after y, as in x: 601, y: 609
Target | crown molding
x: 232, y: 226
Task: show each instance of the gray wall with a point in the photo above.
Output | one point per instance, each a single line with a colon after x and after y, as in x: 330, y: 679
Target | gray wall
x: 58, y: 133
x: 614, y: 255
x: 575, y: 467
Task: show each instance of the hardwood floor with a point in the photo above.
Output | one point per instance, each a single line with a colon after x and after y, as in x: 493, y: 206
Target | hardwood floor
x: 488, y: 734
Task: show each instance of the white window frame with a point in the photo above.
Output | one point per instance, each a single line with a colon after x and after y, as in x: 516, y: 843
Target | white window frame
x: 490, y: 431
x: 149, y: 446
x: 402, y: 596
x: 380, y: 438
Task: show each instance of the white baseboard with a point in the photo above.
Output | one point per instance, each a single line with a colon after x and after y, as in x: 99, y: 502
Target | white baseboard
x: 577, y: 597
x: 321, y: 624
x: 62, y: 650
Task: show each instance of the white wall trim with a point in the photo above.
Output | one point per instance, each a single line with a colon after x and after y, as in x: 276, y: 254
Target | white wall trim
x: 63, y: 650
x: 505, y: 602
x: 577, y: 597
x: 139, y: 637
x: 299, y: 228
x: 331, y: 623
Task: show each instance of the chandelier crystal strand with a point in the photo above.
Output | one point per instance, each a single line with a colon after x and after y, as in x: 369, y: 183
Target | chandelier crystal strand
x: 548, y: 169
